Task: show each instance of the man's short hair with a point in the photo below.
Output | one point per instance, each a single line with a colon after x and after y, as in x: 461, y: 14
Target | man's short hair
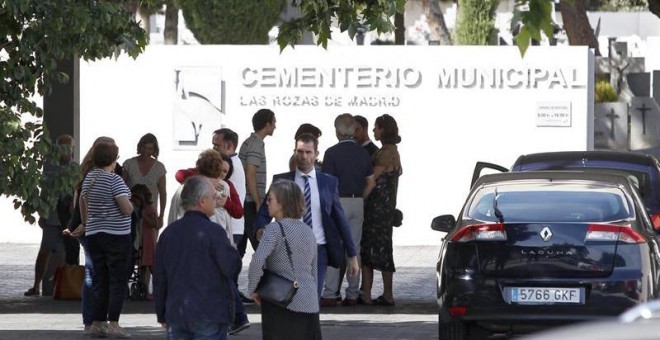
x: 345, y: 125
x: 308, y: 137
x: 228, y: 135
x: 64, y: 140
x: 261, y: 118
x: 308, y: 128
x: 194, y: 188
x: 364, y: 123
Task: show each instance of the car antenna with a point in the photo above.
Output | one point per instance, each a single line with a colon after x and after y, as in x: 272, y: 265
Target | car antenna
x: 498, y: 212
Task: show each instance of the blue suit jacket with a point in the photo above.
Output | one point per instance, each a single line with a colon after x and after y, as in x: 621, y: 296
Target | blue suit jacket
x: 335, y: 225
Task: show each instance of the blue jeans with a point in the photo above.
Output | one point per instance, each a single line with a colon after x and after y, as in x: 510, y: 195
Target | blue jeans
x: 322, y: 260
x: 240, y: 316
x: 87, y: 290
x: 197, y: 330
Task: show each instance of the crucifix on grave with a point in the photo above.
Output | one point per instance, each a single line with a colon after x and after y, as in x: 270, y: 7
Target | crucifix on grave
x: 643, y: 110
x: 619, y: 65
x: 612, y: 116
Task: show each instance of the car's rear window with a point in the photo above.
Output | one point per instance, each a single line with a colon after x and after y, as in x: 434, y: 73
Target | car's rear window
x: 552, y: 202
x: 641, y: 179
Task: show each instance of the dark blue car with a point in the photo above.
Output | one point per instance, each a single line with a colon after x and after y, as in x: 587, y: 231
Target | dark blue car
x: 534, y: 247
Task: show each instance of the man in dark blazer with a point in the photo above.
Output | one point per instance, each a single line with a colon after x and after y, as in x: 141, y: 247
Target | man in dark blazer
x: 328, y: 221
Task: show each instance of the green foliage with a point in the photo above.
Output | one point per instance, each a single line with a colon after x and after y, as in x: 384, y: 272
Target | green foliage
x: 605, y: 92
x: 34, y: 36
x: 475, y: 24
x: 617, y: 5
x: 317, y: 16
x: 535, y: 17
x: 231, y: 21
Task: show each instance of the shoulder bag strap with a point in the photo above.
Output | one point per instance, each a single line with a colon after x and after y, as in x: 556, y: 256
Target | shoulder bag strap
x: 91, y: 185
x: 288, y: 252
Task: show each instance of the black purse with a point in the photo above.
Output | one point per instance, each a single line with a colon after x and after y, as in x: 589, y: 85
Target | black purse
x: 275, y: 288
x: 397, y: 218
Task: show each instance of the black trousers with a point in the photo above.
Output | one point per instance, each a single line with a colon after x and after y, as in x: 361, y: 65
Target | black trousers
x: 111, y: 256
x: 249, y: 213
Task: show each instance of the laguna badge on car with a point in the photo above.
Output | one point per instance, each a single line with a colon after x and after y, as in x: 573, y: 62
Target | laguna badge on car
x: 546, y: 234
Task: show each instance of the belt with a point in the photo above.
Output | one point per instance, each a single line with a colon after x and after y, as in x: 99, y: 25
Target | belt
x: 350, y: 195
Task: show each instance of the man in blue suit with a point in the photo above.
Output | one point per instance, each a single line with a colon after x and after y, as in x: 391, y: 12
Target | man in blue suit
x: 326, y: 216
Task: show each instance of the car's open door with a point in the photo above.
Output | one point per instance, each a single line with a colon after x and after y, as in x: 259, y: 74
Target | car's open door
x: 485, y: 165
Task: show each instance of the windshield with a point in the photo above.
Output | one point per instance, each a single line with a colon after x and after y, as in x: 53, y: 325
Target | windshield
x: 550, y: 202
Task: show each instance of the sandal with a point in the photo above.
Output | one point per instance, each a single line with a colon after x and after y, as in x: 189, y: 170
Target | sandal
x: 31, y: 292
x: 382, y: 301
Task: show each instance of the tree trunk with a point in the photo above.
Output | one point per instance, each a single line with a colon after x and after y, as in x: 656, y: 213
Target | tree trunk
x: 400, y: 30
x: 436, y: 20
x: 576, y: 24
x: 171, y: 31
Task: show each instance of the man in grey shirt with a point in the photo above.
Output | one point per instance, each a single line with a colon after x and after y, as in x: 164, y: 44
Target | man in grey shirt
x: 253, y: 157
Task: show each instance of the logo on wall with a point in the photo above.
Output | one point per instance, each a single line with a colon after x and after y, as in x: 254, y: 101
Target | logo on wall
x: 199, y: 106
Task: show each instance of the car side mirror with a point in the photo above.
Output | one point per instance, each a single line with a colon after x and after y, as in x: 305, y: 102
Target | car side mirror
x: 444, y: 223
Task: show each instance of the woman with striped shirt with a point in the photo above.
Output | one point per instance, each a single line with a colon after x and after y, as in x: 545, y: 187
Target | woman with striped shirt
x: 300, y: 319
x: 105, y: 210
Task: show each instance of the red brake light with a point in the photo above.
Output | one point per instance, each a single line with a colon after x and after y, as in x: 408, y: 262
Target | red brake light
x: 604, y: 232
x: 480, y: 232
x: 656, y: 221
x: 457, y: 311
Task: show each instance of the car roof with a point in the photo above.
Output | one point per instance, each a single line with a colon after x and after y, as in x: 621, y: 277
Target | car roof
x: 591, y: 175
x: 596, y: 155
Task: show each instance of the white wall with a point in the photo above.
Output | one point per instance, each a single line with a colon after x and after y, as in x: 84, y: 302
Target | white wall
x: 444, y: 130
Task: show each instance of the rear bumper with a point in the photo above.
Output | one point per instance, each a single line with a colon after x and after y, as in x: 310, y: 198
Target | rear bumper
x: 484, y: 299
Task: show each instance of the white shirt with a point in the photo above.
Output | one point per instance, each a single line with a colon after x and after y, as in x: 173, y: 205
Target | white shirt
x: 317, y: 220
x: 238, y: 179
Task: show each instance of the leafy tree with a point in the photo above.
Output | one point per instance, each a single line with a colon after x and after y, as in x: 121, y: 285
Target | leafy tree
x: 317, y: 16
x: 537, y: 19
x: 475, y: 24
x: 34, y: 36
x: 231, y: 21
x: 436, y: 19
x: 576, y: 24
x: 617, y: 5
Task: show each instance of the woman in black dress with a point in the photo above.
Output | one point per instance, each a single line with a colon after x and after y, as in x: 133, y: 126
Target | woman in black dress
x: 376, y: 245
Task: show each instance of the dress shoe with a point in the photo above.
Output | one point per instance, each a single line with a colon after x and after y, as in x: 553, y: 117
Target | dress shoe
x: 349, y: 302
x: 328, y: 302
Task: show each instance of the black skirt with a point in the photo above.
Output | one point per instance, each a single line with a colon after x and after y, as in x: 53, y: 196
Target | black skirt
x: 302, y: 326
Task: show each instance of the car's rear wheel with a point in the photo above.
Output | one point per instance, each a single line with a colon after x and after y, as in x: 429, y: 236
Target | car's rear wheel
x: 458, y: 330
x: 452, y: 330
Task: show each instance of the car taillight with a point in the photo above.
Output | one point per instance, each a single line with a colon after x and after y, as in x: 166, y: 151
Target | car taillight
x: 480, y: 232
x: 604, y: 232
x: 457, y: 311
x: 655, y: 218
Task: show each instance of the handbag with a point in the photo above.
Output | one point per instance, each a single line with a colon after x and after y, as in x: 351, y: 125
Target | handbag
x: 69, y: 282
x: 275, y: 288
x: 397, y: 218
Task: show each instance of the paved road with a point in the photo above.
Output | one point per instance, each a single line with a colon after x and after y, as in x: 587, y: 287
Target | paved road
x: 414, y: 317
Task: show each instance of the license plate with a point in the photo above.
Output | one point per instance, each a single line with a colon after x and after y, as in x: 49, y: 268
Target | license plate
x: 546, y: 295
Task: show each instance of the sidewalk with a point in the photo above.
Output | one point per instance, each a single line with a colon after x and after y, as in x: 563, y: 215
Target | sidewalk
x: 44, y: 318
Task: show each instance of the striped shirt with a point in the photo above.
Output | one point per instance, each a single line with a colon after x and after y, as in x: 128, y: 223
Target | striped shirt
x: 103, y: 214
x: 272, y: 255
x: 253, y: 152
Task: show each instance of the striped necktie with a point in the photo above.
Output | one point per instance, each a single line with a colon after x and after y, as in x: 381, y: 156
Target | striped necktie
x: 307, y: 218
